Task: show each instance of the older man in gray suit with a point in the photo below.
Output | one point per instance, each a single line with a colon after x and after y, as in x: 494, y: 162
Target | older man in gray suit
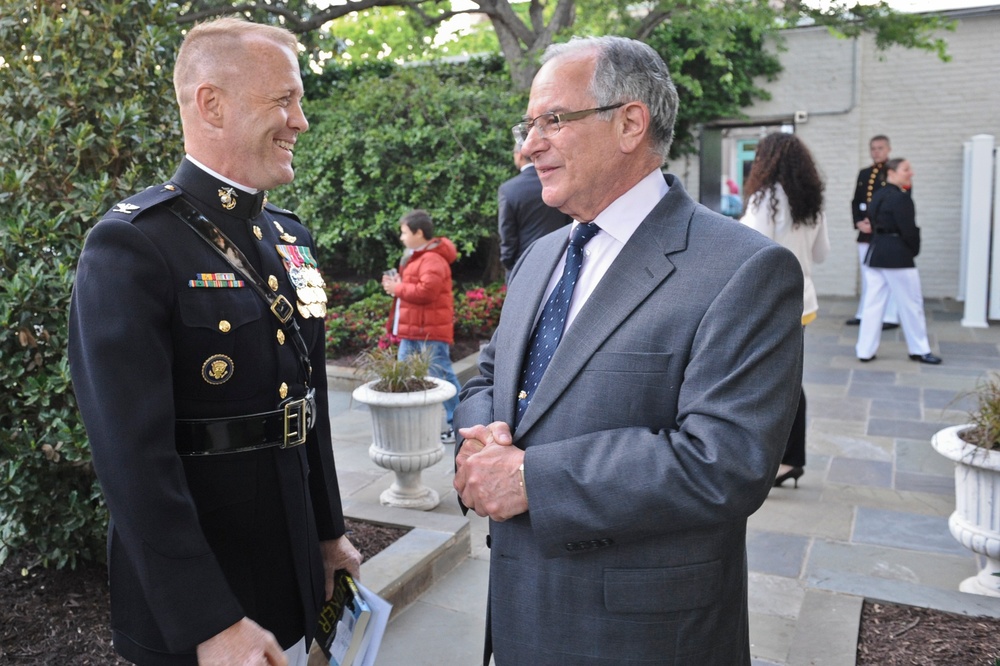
x: 619, y: 488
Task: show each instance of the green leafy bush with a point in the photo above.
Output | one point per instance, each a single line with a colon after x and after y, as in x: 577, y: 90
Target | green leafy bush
x: 433, y: 137
x: 358, y: 326
x: 87, y: 110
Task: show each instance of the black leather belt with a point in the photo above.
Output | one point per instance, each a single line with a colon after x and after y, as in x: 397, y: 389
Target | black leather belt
x: 285, y: 428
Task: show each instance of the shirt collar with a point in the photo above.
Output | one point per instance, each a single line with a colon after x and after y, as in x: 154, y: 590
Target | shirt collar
x: 228, y: 181
x: 626, y: 213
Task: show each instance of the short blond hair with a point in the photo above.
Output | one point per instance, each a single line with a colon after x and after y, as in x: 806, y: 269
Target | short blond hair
x: 216, y: 48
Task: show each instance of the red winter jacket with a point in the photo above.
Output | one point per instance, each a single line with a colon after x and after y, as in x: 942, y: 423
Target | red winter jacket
x: 426, y: 303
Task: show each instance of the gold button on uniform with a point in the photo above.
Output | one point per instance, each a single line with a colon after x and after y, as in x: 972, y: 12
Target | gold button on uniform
x: 281, y: 337
x: 272, y: 282
x: 224, y: 326
x: 283, y: 390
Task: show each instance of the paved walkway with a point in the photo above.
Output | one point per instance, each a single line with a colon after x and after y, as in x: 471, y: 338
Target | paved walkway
x: 868, y: 520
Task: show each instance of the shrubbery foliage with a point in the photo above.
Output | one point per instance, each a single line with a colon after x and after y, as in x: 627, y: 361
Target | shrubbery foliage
x: 387, y: 140
x: 87, y: 109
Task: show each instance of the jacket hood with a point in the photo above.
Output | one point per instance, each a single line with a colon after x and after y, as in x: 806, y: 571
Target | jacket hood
x: 442, y: 246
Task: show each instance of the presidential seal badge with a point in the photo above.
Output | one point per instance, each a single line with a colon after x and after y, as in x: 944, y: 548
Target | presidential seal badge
x: 217, y: 369
x: 227, y: 197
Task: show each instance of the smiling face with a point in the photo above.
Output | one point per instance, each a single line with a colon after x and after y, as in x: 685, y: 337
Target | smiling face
x: 262, y: 117
x: 579, y: 166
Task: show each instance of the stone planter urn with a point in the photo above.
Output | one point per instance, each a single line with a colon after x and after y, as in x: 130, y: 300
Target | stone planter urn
x: 976, y: 520
x: 406, y: 429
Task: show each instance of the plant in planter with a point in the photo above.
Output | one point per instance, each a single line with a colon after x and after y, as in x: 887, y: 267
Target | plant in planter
x: 975, y: 449
x: 406, y: 408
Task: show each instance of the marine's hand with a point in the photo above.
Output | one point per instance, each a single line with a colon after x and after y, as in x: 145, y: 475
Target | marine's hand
x: 339, y: 554
x: 489, y: 482
x: 245, y: 643
x: 864, y: 226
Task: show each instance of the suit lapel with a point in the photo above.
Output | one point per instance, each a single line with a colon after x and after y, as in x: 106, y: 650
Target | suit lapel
x: 641, y: 267
x: 527, y: 287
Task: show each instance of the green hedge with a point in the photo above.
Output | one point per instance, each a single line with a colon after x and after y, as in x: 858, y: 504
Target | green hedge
x: 86, y: 108
x: 385, y: 141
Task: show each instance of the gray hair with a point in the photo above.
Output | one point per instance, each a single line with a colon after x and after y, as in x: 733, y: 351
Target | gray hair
x: 628, y: 70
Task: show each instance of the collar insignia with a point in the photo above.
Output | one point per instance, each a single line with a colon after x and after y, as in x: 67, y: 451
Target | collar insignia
x: 227, y: 196
x: 288, y: 238
x: 126, y: 208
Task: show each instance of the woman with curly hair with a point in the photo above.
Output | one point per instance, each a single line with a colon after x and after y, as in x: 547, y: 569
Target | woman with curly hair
x: 784, y: 201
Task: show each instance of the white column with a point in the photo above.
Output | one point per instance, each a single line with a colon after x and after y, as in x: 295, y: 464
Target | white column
x: 980, y: 204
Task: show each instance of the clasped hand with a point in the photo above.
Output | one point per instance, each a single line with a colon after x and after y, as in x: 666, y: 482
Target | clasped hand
x: 487, y: 474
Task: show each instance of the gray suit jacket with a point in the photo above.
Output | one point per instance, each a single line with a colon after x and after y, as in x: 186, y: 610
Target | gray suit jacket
x: 655, y: 432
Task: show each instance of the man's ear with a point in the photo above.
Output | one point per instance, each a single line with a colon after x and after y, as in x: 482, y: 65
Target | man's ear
x: 634, y: 126
x: 208, y: 99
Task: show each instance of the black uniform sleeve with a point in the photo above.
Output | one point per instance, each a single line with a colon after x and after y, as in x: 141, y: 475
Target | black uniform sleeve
x: 121, y: 358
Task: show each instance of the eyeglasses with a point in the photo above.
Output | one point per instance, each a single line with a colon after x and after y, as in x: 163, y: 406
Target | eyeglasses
x: 548, y: 124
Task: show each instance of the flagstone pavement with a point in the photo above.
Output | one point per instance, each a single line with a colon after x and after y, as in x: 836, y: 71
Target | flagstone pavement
x: 869, y: 519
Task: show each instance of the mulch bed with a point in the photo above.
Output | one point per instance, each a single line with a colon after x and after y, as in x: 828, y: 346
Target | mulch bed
x: 894, y: 635
x: 61, y: 617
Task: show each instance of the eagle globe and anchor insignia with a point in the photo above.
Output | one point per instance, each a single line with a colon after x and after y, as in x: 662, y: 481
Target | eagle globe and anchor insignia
x: 217, y: 369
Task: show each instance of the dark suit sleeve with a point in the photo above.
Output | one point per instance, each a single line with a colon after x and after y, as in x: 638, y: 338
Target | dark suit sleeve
x: 121, y: 358
x: 507, y: 226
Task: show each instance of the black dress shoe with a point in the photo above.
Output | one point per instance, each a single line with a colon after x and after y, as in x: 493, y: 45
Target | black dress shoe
x: 926, y: 358
x: 888, y: 327
x: 793, y: 474
x: 853, y: 322
x: 866, y: 360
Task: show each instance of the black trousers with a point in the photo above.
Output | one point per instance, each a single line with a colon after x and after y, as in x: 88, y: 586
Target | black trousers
x: 795, y: 447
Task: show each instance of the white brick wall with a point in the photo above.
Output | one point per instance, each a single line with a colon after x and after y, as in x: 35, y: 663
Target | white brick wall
x: 928, y: 108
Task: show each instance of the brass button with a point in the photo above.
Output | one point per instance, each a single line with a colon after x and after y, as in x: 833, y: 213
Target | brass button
x: 272, y: 282
x: 283, y: 390
x: 224, y: 326
x: 281, y: 337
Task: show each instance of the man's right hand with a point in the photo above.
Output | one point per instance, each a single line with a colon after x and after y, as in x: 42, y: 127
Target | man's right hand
x: 245, y: 643
x: 864, y: 226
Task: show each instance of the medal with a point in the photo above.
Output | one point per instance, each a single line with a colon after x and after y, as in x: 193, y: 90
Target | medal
x: 304, y: 277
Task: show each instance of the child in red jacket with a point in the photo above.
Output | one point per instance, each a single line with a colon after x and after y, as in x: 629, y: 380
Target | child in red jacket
x: 423, y: 307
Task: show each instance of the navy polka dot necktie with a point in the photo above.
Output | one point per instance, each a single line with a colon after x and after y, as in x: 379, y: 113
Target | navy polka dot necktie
x: 548, y: 332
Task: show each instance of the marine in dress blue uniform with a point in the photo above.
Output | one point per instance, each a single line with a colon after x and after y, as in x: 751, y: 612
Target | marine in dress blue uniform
x: 163, y: 337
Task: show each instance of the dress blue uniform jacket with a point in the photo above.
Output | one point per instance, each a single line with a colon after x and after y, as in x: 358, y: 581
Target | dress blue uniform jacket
x: 197, y: 542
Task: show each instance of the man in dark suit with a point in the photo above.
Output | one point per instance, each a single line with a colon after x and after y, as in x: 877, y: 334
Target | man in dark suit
x: 202, y: 384
x: 871, y: 179
x: 523, y: 216
x: 619, y: 497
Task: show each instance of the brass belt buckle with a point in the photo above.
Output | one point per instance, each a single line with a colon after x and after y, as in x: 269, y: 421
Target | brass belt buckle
x: 282, y: 309
x: 296, y: 427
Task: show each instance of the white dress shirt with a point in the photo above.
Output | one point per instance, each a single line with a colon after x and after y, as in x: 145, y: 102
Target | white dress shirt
x: 617, y: 222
